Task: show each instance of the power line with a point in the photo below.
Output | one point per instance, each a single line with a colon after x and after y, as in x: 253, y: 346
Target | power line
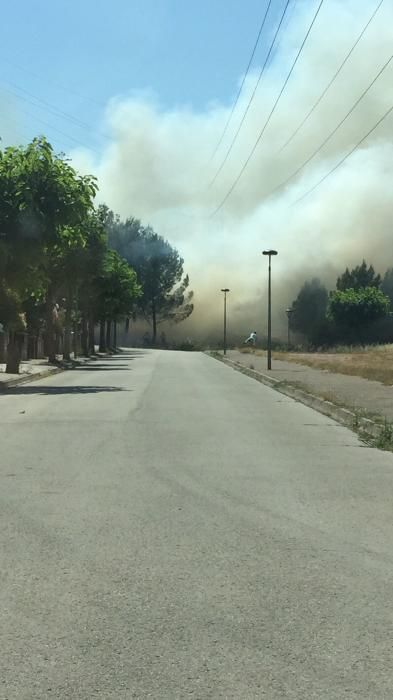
x: 243, y: 81
x: 50, y: 126
x: 34, y: 104
x: 271, y: 111
x: 288, y: 20
x: 359, y: 143
x: 336, y: 74
x: 56, y: 83
x: 332, y: 133
x: 251, y: 98
x: 50, y: 107
x: 62, y: 133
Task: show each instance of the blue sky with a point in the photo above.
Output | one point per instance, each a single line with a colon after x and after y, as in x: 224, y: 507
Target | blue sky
x: 75, y: 56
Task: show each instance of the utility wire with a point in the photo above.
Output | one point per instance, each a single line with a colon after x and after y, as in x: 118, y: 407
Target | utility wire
x: 54, y: 82
x: 335, y: 76
x: 50, y: 107
x: 359, y: 143
x: 332, y: 133
x: 50, y: 126
x: 251, y: 98
x: 271, y: 112
x: 289, y: 16
x: 243, y: 81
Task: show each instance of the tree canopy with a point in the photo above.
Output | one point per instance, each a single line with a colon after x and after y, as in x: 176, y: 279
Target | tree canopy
x: 349, y: 313
x: 356, y: 308
x: 66, y: 265
x: 359, y: 277
x: 309, y: 309
x: 387, y: 285
x: 164, y: 286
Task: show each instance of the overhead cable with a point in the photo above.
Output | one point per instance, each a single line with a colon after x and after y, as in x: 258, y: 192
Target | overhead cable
x: 332, y: 80
x: 336, y: 128
x: 261, y: 133
x: 262, y: 71
x: 243, y: 81
x: 332, y: 170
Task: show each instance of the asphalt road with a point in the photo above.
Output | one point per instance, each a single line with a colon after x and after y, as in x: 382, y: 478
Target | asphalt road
x: 170, y: 528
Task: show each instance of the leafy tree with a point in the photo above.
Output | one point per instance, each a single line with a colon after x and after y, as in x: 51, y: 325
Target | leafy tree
x: 358, y: 278
x: 92, y: 265
x: 159, y: 267
x: 357, y: 308
x: 65, y: 271
x: 164, y: 289
x: 309, y: 309
x: 118, y: 290
x: 387, y: 285
x: 41, y: 193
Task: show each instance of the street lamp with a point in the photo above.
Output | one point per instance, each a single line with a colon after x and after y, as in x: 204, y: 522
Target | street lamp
x: 269, y: 310
x: 289, y: 313
x: 225, y: 318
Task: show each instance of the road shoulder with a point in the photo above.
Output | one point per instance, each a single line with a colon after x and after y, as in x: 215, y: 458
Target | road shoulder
x: 375, y: 430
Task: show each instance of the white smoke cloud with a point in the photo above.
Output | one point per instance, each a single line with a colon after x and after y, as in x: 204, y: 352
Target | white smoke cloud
x: 158, y: 168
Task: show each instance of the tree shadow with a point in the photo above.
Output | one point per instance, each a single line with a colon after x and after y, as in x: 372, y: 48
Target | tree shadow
x: 129, y: 355
x: 98, y: 367
x: 59, y: 390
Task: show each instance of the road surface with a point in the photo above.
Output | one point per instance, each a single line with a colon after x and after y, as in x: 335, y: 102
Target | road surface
x: 170, y: 528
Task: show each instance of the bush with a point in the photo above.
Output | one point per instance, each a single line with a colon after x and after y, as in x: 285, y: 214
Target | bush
x: 185, y: 345
x: 354, y: 311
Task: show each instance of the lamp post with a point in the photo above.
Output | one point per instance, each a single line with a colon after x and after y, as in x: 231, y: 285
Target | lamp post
x: 289, y: 313
x: 225, y: 318
x: 269, y: 253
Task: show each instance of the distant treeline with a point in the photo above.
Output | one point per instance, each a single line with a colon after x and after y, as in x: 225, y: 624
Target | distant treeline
x: 357, y: 311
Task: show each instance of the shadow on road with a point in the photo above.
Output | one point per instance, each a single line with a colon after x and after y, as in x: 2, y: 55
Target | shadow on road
x: 128, y: 355
x: 57, y: 390
x: 97, y: 367
x: 116, y: 358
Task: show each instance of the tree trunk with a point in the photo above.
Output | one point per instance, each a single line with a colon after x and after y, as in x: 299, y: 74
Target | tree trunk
x: 2, y: 346
x: 75, y: 339
x: 67, y: 327
x: 67, y: 343
x: 13, y: 354
x: 102, y: 347
x: 85, y: 343
x: 115, y: 335
x: 58, y: 343
x: 31, y: 347
x: 92, y: 340
x: 50, y: 331
x: 154, y: 316
x: 108, y: 335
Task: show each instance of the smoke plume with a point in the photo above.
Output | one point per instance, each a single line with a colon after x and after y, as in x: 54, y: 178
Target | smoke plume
x: 158, y: 167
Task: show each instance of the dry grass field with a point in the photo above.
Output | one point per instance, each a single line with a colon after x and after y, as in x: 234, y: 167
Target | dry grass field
x: 372, y: 362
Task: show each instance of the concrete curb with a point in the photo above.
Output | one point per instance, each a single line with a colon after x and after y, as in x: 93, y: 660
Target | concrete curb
x: 364, y: 426
x: 25, y: 378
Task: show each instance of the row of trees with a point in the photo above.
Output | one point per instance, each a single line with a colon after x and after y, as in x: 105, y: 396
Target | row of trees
x: 350, y: 313
x: 66, y: 264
